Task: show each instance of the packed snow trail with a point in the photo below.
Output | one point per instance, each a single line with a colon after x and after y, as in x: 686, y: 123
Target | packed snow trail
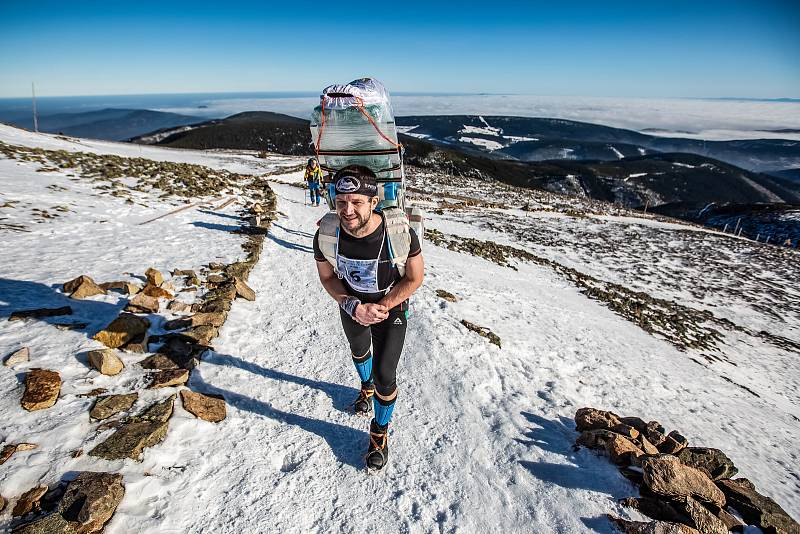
x: 481, y: 439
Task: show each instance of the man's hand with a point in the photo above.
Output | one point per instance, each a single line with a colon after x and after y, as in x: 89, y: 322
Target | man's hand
x: 367, y: 314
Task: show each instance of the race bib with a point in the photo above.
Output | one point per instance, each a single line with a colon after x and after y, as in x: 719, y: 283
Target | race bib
x: 361, y: 275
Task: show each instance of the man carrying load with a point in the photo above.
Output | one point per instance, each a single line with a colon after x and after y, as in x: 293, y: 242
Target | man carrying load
x: 313, y: 177
x: 370, y: 263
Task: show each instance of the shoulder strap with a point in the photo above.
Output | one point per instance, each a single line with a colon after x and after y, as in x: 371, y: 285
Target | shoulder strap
x: 398, y: 236
x: 328, y: 235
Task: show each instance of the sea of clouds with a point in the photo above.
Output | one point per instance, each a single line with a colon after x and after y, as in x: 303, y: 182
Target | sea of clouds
x: 711, y: 119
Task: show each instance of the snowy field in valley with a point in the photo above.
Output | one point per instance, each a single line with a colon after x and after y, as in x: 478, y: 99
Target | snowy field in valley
x: 482, y: 438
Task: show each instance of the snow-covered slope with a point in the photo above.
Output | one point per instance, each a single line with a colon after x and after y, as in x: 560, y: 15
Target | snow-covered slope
x: 482, y: 437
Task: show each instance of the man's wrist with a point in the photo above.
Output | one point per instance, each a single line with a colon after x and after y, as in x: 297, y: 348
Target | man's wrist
x: 349, y: 305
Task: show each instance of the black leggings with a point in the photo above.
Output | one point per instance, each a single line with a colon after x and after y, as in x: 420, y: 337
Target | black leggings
x: 386, y: 339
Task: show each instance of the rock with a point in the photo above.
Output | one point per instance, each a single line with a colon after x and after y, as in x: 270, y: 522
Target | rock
x: 670, y: 445
x: 482, y: 331
x: 168, y: 378
x: 93, y: 393
x: 137, y: 433
x: 70, y: 326
x: 29, y: 501
x: 160, y: 411
x: 658, y: 509
x: 110, y: 405
x: 178, y: 324
x: 90, y: 500
x: 214, y: 306
x: 3, y: 503
x: 9, y: 450
x: 655, y: 433
x: 169, y: 286
x: 50, y: 524
x: 626, y: 430
x: 595, y: 439
x: 653, y: 527
x: 106, y: 361
x: 207, y: 407
x: 593, y: 419
x: 159, y: 361
x: 143, y: 303
x: 701, y: 518
x: 757, y: 509
x: 216, y: 266
x: 635, y: 422
x: 240, y: 269
x: 713, y: 461
x: 202, y: 334
x: 209, y: 319
x: 39, y: 313
x: 243, y: 290
x: 646, y: 446
x: 622, y: 450
x: 178, y: 306
x: 130, y: 440
x: 216, y: 279
x: 127, y: 288
x: 666, y: 475
x: 226, y: 291
x: 41, y: 389
x: 156, y: 292
x: 184, y: 272
x: 446, y: 295
x: 82, y: 287
x: 154, y: 277
x: 19, y: 356
x: 122, y: 330
x: 137, y: 345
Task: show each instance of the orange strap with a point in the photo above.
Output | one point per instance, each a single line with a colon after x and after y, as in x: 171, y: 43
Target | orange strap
x: 360, y: 106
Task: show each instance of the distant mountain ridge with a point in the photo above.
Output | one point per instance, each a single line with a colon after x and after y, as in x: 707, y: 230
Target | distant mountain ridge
x: 539, y: 139
x: 110, y: 124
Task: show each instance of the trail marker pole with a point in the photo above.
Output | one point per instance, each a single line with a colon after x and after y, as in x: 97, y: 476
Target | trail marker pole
x: 737, y: 225
x: 725, y: 230
x: 35, y: 117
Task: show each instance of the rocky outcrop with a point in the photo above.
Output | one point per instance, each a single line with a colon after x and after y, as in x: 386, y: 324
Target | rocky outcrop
x: 666, y: 475
x: 106, y: 361
x: 756, y: 508
x: 41, y: 389
x: 122, y: 330
x: 713, y: 462
x: 110, y: 405
x: 29, y: 501
x: 18, y: 356
x: 689, y: 489
x: 653, y: 527
x: 207, y: 407
x: 593, y: 419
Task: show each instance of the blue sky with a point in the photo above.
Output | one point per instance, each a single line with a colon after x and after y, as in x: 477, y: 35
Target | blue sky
x: 592, y: 48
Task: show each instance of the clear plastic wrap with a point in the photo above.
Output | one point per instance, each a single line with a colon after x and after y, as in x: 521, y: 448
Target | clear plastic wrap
x: 354, y: 125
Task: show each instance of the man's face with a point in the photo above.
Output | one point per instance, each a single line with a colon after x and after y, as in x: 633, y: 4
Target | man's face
x: 354, y: 210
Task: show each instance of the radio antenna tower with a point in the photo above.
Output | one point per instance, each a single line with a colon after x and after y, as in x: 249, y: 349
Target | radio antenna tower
x: 35, y: 117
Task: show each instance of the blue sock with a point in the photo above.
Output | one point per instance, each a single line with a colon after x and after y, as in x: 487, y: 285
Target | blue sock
x: 383, y: 410
x: 364, y: 368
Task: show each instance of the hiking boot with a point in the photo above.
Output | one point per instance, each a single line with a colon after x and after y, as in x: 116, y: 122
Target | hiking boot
x: 363, y: 403
x: 378, y: 452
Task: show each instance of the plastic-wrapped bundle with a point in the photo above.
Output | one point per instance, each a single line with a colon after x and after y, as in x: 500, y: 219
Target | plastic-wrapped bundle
x: 354, y: 125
